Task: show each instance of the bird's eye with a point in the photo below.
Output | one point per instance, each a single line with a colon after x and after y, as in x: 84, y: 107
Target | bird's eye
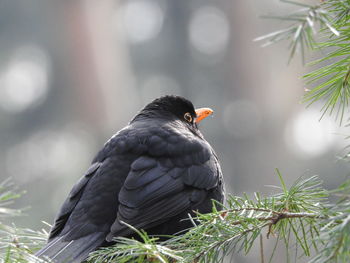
x: 188, y: 117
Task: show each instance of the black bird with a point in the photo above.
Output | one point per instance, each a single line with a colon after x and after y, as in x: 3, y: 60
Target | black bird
x: 151, y: 175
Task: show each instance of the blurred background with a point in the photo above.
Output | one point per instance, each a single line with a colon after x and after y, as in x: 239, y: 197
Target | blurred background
x: 72, y: 73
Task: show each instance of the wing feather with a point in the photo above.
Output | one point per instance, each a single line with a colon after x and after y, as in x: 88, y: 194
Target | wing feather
x: 72, y: 200
x: 159, y: 188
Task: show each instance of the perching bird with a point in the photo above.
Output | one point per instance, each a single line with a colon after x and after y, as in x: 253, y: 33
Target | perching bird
x: 151, y: 175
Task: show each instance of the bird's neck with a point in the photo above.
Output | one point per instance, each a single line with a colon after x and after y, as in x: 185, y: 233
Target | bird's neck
x: 149, y: 114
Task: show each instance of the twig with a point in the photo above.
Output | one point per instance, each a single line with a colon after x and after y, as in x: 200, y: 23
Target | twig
x: 261, y: 249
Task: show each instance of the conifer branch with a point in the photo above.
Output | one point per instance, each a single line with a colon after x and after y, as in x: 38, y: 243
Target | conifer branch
x: 17, y: 245
x: 324, y: 26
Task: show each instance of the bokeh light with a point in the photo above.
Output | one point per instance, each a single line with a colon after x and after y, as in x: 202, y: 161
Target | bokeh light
x: 50, y: 152
x: 141, y: 20
x: 209, y: 30
x: 307, y: 136
x: 24, y: 81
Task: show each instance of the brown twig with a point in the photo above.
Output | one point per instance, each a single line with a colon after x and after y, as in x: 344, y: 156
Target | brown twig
x: 262, y: 249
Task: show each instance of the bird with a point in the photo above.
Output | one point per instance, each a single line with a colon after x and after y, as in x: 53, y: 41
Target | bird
x: 152, y: 175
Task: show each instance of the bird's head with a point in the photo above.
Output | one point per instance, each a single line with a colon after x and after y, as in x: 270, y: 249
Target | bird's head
x: 175, y: 108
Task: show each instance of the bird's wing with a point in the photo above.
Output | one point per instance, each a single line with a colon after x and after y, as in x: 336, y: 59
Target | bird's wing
x: 72, y: 200
x: 87, y: 213
x: 165, y: 182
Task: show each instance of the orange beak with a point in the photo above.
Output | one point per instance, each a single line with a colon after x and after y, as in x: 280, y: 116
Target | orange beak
x: 202, y: 113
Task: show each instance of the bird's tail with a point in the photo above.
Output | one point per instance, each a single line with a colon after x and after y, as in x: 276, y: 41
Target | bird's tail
x: 75, y: 251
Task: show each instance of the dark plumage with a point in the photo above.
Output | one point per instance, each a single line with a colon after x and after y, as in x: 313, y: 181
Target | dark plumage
x: 151, y: 175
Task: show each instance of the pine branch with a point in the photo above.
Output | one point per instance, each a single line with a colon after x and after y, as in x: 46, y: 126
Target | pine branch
x: 335, y: 234
x: 301, y: 33
x: 17, y: 245
x: 330, y: 22
x: 8, y: 195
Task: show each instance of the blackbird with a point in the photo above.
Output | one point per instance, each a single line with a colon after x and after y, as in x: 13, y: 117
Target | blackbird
x: 151, y: 174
